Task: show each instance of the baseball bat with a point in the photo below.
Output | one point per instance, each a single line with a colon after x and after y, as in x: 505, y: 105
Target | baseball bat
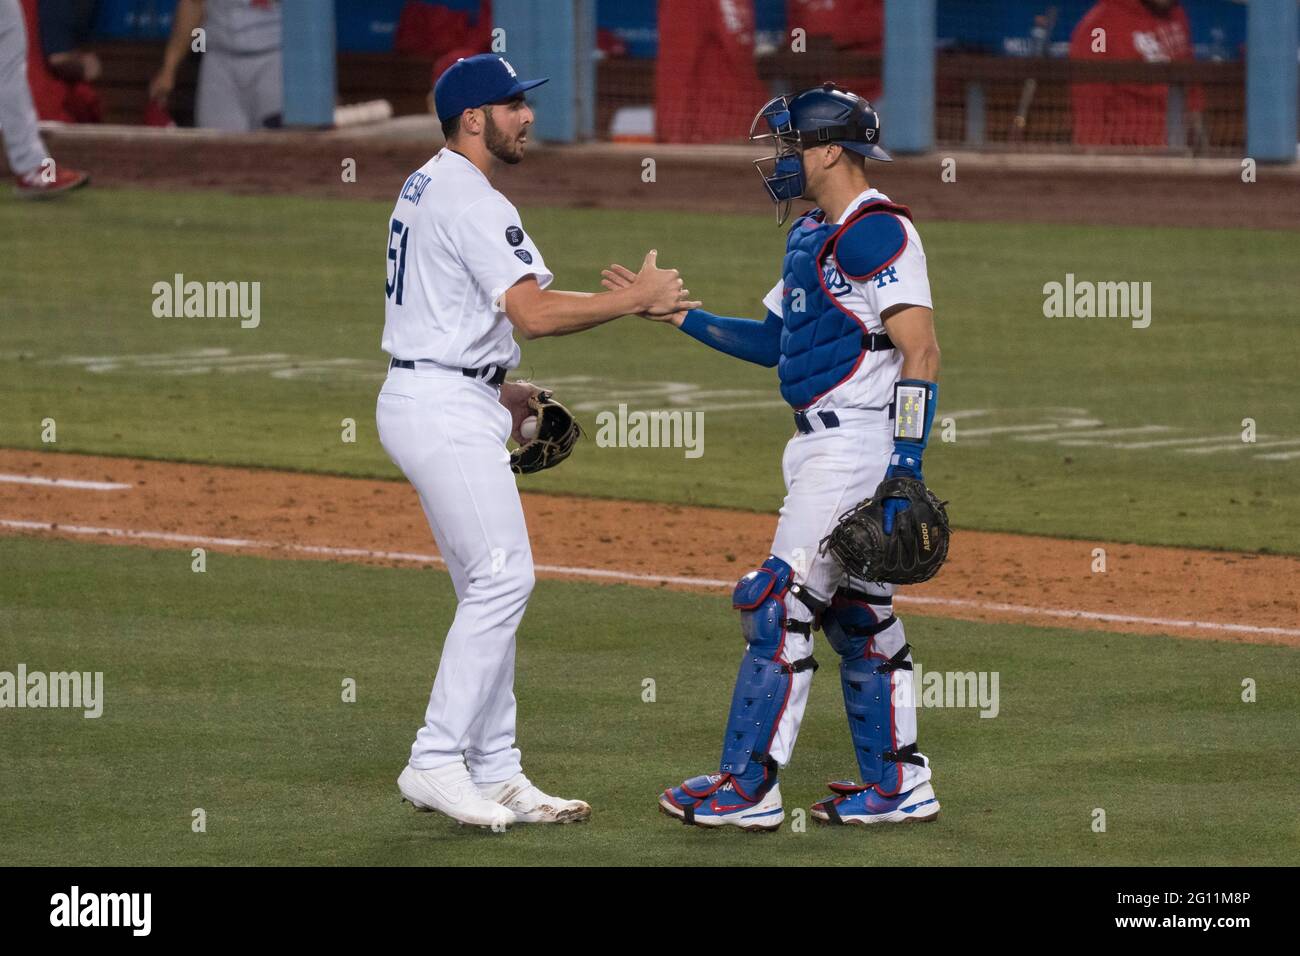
x: 1044, y: 23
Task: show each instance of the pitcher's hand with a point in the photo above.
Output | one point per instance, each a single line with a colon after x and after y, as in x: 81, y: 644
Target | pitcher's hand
x: 617, y: 277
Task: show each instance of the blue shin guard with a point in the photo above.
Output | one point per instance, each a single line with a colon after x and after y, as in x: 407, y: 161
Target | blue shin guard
x: 866, y: 676
x: 745, y: 793
x: 763, y: 683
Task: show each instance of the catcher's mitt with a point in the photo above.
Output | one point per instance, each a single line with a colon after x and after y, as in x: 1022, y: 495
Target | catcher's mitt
x: 557, y: 432
x: 912, y: 553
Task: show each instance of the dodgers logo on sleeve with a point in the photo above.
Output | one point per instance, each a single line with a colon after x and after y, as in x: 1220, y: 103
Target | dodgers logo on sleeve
x: 525, y: 256
x: 514, y: 235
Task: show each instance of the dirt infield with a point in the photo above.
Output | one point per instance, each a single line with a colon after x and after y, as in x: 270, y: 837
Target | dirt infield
x: 1014, y: 188
x: 991, y: 577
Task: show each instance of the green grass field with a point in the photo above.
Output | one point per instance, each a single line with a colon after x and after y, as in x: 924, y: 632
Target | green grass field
x: 1222, y: 346
x: 223, y: 689
x: 223, y: 692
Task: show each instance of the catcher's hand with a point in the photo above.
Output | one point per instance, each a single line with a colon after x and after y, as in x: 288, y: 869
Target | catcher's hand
x: 557, y: 431
x: 912, y: 552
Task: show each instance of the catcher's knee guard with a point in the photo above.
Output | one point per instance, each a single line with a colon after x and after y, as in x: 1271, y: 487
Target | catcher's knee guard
x: 854, y: 617
x: 763, y: 683
x: 851, y: 621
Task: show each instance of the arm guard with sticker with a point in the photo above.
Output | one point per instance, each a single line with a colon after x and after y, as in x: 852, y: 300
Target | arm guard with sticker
x: 914, y: 403
x: 757, y: 342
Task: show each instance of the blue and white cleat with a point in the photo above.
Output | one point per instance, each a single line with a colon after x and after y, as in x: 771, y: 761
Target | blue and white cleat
x: 859, y: 806
x: 715, y: 800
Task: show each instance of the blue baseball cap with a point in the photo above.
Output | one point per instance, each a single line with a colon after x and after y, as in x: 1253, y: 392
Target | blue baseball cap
x: 476, y: 80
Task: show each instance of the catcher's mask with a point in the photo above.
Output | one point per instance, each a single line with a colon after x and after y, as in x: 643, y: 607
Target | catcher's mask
x: 814, y: 117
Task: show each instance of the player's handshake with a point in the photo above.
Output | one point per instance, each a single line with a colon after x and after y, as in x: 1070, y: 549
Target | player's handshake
x: 664, y: 296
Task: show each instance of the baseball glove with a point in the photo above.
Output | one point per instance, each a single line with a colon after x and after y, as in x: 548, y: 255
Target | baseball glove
x: 912, y: 553
x: 557, y: 432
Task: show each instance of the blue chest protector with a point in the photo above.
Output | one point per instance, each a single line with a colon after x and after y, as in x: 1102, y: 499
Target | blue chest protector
x: 822, y: 342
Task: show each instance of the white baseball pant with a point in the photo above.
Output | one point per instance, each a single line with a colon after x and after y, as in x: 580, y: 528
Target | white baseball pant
x: 826, y: 473
x: 448, y: 433
x: 23, y: 145
x: 239, y: 92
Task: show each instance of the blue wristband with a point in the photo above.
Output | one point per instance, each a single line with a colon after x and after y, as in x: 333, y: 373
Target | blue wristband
x: 914, y: 404
x: 906, y: 460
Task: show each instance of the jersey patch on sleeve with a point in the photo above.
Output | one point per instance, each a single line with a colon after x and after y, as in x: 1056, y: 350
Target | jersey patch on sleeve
x: 870, y: 244
x: 514, y: 235
x: 525, y: 256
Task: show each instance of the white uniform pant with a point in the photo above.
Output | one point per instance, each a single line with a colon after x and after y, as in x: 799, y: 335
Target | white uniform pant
x: 22, y: 137
x: 239, y: 92
x: 826, y: 473
x: 447, y: 433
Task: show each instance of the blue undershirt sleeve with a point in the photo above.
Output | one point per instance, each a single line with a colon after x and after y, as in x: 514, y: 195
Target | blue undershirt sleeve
x: 757, y: 342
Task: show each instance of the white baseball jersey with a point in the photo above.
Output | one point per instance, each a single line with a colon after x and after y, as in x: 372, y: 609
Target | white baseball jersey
x: 905, y: 282
x: 455, y: 245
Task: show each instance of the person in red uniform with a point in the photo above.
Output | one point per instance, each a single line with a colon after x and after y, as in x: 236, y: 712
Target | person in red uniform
x: 706, y: 83
x: 857, y: 26
x: 59, y: 72
x: 1130, y: 114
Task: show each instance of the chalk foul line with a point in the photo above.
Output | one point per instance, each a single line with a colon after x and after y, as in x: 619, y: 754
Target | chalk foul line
x: 631, y: 576
x: 62, y: 482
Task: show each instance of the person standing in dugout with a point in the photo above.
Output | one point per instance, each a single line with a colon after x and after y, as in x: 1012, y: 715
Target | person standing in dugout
x: 462, y: 277
x: 37, y: 175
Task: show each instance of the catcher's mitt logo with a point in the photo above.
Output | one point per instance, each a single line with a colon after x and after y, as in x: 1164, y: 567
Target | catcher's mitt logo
x: 524, y: 256
x: 925, y: 536
x: 514, y: 235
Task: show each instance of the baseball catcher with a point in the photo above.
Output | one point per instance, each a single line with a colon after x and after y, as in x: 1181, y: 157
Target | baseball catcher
x: 850, y: 330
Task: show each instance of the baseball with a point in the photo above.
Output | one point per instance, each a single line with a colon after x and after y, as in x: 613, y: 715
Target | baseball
x: 528, y: 427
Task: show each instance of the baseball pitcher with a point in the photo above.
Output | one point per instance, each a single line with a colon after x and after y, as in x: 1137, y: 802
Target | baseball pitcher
x: 463, y: 276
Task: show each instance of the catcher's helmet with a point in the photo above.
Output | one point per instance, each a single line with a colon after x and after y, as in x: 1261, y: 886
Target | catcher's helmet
x: 814, y: 117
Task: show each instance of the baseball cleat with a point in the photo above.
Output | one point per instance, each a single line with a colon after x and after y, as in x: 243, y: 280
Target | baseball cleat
x: 859, y: 806
x: 531, y: 805
x: 33, y: 185
x: 713, y: 800
x: 449, y: 790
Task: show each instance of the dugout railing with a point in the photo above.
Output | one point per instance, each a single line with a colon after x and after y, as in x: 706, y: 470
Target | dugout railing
x: 977, y: 98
